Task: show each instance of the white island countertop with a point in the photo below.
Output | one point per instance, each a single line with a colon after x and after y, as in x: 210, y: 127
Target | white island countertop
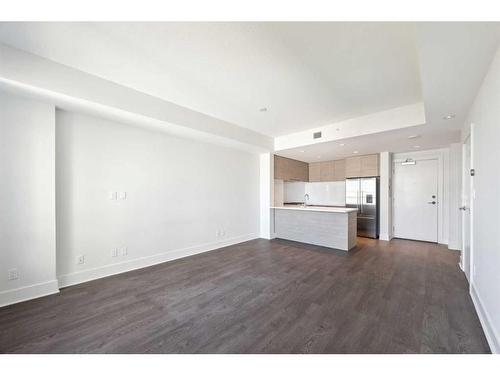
x: 316, y: 208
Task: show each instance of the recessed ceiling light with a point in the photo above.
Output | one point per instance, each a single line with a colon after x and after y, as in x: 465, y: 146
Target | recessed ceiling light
x: 413, y: 136
x: 355, y: 152
x: 263, y: 109
x: 342, y: 144
x: 319, y: 157
x: 448, y: 117
x: 302, y: 151
x: 416, y: 146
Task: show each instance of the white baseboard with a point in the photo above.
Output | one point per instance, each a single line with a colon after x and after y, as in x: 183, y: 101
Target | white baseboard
x: 454, y: 246
x: 384, y: 237
x: 9, y: 297
x: 133, y: 264
x: 485, y: 319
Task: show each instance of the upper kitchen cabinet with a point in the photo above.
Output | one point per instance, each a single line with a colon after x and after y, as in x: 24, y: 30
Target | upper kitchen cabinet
x: 339, y: 170
x: 369, y: 165
x: 353, y: 167
x: 333, y: 170
x: 327, y: 170
x: 314, y: 172
x: 362, y: 166
x: 290, y: 169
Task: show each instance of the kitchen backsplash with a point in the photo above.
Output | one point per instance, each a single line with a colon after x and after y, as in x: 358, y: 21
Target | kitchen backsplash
x: 320, y: 193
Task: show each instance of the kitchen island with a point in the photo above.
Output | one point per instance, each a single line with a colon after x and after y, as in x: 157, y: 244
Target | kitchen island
x: 333, y: 227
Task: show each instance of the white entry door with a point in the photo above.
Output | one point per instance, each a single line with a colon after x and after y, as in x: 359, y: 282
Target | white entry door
x: 415, y: 204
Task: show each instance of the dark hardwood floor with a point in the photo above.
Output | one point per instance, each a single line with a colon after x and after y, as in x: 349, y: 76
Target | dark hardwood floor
x: 262, y: 297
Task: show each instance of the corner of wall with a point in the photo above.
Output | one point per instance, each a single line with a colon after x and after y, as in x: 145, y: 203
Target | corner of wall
x: 492, y: 336
x: 9, y: 297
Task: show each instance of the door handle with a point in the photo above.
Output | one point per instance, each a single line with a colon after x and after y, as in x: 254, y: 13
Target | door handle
x: 433, y: 202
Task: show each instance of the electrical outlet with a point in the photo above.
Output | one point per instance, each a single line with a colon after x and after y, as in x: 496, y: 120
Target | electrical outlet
x: 80, y: 259
x: 222, y: 232
x: 114, y: 252
x: 217, y: 233
x: 13, y: 274
x: 123, y: 251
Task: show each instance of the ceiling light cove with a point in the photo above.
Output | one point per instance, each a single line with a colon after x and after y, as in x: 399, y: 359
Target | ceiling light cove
x: 448, y: 117
x: 355, y: 152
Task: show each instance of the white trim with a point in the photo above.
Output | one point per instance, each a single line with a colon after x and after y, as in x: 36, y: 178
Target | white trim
x: 472, y: 193
x: 465, y: 176
x: 116, y: 268
x: 9, y: 297
x: 492, y: 336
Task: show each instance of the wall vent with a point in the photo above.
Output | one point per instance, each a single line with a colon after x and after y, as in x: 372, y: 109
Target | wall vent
x: 316, y: 135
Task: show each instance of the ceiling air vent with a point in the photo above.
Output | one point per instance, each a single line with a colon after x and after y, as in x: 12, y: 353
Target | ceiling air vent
x: 316, y: 135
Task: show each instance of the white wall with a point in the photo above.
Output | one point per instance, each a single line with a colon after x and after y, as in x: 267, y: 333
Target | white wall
x: 183, y: 196
x: 385, y: 196
x: 485, y: 279
x: 27, y: 202
x: 455, y: 222
x: 267, y: 195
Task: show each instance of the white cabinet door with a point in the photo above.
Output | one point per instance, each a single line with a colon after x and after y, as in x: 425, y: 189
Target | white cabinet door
x: 416, y: 202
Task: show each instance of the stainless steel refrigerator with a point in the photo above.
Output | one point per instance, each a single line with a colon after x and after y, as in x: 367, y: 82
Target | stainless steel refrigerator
x: 363, y: 194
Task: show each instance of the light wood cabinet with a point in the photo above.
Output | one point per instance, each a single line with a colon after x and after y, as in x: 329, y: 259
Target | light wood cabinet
x: 369, y: 165
x: 280, y: 168
x: 339, y: 170
x: 314, y: 172
x: 362, y: 166
x: 290, y: 169
x: 326, y: 171
x: 353, y: 167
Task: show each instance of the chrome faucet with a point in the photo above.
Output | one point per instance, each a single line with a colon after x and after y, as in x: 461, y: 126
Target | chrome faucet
x: 306, y: 198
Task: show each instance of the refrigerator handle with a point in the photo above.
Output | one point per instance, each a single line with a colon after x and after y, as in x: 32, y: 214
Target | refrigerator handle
x: 361, y: 200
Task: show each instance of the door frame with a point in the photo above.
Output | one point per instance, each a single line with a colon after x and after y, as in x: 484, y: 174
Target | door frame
x: 442, y: 155
x: 465, y: 170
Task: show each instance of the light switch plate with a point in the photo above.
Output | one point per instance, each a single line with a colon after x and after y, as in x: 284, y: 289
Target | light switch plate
x: 123, y: 251
x: 122, y: 195
x: 112, y: 195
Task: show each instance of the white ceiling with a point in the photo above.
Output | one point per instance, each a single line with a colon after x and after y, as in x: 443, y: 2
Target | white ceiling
x: 394, y: 141
x: 305, y: 74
